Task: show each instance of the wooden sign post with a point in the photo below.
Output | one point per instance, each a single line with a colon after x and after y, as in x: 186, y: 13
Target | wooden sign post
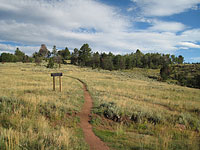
x: 54, y: 75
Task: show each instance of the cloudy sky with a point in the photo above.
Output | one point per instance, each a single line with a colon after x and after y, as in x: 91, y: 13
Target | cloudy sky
x: 119, y: 26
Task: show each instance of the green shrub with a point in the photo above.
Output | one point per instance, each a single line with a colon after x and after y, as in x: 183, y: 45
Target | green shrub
x: 189, y: 121
x: 110, y: 111
x: 151, y: 117
x: 51, y: 63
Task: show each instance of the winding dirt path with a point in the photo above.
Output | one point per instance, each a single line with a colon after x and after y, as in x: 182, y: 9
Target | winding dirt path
x: 94, y: 142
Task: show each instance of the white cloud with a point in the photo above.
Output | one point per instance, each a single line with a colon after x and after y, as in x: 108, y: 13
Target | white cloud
x: 7, y: 7
x: 58, y: 22
x: 8, y: 48
x: 196, y: 59
x: 195, y: 7
x: 130, y: 9
x: 191, y: 35
x: 167, y: 26
x: 75, y: 22
x: 165, y: 7
x: 189, y: 45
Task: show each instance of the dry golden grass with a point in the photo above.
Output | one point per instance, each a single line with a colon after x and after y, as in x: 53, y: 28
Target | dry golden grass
x: 131, y: 92
x: 110, y: 86
x: 33, y: 116
x: 178, y: 109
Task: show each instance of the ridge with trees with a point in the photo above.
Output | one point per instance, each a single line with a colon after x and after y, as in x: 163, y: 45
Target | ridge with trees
x: 109, y: 61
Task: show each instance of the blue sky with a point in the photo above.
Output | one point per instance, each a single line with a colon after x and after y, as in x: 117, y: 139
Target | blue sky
x: 119, y: 26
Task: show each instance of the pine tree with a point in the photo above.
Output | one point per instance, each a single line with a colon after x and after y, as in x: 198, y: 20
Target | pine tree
x: 165, y: 72
x: 19, y: 55
x: 75, y: 56
x: 51, y: 63
x: 85, y: 55
x: 54, y: 51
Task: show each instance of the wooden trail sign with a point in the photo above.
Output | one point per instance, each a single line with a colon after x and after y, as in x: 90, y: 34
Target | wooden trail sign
x: 56, y: 74
x: 59, y: 75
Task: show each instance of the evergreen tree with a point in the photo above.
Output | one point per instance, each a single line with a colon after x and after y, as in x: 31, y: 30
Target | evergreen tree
x: 48, y: 54
x: 19, y: 55
x: 119, y: 62
x: 128, y: 62
x: 96, y: 60
x: 51, y: 63
x: 54, y: 51
x: 65, y: 54
x: 165, y: 72
x: 35, y: 54
x: 26, y: 59
x: 75, y: 56
x: 7, y: 57
x: 107, y: 63
x: 180, y: 59
x: 145, y: 61
x: 197, y: 81
x: 156, y: 61
x: 84, y: 55
x: 139, y: 56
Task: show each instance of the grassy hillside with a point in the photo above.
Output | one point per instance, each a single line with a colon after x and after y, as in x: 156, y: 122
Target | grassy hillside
x: 135, y: 112
x: 130, y: 110
x: 32, y: 116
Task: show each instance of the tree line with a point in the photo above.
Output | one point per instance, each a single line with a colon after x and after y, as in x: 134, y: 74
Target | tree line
x: 85, y: 57
x: 18, y: 56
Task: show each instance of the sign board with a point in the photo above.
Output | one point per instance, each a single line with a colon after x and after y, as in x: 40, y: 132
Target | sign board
x: 56, y: 74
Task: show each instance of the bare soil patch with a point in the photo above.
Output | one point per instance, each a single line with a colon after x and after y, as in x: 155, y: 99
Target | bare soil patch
x: 94, y: 142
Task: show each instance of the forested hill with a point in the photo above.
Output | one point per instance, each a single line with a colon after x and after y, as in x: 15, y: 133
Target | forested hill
x: 170, y: 65
x: 186, y: 75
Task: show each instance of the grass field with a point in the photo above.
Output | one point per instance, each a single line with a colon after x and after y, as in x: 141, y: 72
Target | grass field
x: 130, y: 110
x: 147, y: 114
x: 32, y: 116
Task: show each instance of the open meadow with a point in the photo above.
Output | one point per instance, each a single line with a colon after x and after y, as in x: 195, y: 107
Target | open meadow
x: 32, y: 116
x: 130, y: 111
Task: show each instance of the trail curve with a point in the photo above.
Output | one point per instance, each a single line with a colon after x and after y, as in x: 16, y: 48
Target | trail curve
x: 94, y: 142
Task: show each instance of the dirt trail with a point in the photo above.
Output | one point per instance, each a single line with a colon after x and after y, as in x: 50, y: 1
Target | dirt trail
x: 94, y: 142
